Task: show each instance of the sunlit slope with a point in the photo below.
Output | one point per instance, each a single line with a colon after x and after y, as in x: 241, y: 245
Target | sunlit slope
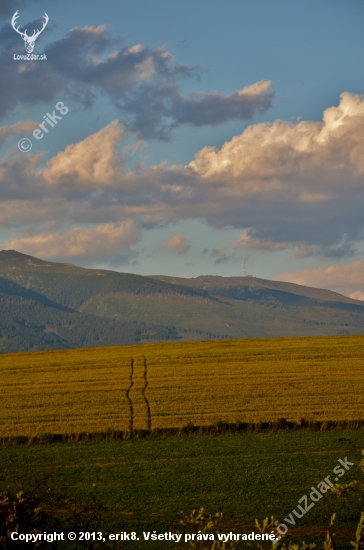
x: 203, y: 382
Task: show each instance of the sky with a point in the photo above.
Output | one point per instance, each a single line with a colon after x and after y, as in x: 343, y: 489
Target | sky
x: 182, y: 138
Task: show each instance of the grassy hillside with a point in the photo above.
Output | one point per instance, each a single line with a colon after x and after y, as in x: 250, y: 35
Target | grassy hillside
x: 47, y: 305
x: 67, y: 391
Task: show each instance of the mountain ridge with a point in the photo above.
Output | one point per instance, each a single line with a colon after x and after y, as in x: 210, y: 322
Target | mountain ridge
x: 82, y: 307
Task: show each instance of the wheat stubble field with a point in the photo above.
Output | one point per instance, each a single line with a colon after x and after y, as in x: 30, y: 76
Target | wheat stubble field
x: 68, y: 391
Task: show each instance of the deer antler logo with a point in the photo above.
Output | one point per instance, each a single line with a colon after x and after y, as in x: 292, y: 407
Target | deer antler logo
x: 29, y: 40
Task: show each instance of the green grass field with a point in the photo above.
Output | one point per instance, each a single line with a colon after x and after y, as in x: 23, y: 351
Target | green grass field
x: 200, y: 382
x: 145, y: 484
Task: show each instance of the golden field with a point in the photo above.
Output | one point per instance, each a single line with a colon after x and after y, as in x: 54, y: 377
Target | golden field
x: 318, y: 378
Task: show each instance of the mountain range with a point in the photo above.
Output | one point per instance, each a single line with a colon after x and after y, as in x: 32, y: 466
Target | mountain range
x: 49, y: 305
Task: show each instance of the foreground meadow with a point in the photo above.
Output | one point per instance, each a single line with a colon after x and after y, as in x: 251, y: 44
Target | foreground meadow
x: 144, y: 485
x: 66, y: 391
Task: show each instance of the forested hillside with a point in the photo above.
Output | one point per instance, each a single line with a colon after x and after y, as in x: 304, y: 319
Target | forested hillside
x: 48, y: 305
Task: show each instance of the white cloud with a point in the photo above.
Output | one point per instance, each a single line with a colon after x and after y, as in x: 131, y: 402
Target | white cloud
x: 266, y: 156
x: 97, y: 243
x: 177, y: 243
x: 257, y: 88
x: 345, y: 279
x: 91, y: 162
x: 286, y: 185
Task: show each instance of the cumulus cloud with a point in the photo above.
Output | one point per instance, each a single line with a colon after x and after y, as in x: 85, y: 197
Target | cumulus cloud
x: 177, y: 243
x: 345, y: 279
x: 299, y: 180
x: 277, y: 151
x: 90, y: 163
x: 283, y: 184
x: 97, y: 243
x: 144, y: 84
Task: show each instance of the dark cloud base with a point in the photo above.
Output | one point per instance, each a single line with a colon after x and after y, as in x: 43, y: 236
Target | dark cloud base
x: 145, y: 85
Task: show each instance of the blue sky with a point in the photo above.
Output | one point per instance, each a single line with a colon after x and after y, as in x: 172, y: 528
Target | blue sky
x: 151, y: 87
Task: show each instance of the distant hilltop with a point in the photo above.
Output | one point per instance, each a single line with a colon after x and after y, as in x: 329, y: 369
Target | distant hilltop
x: 50, y: 305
